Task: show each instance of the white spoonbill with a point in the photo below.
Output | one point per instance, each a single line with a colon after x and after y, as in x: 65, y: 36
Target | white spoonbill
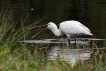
x: 69, y: 28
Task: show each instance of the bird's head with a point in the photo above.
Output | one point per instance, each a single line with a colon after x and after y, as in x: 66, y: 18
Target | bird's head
x: 51, y: 26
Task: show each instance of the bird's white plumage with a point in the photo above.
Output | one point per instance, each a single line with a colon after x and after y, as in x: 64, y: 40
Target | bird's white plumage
x: 69, y: 28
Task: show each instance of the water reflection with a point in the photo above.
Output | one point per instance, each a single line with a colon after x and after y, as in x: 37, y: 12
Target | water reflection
x: 82, y: 52
x: 63, y: 52
x: 46, y: 41
x: 69, y: 55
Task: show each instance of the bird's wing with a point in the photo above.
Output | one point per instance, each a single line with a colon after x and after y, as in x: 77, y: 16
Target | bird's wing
x: 84, y: 27
x: 68, y: 28
x: 73, y: 27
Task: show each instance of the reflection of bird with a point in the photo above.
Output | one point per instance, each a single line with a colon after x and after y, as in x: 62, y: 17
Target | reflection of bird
x: 69, y: 28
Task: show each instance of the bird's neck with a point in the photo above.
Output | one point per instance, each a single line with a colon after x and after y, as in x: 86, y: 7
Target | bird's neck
x: 57, y: 32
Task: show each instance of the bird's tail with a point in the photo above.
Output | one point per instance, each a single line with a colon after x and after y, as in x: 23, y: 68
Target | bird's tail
x: 91, y: 34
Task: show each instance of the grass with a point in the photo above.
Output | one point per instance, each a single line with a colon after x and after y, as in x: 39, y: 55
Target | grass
x: 16, y: 57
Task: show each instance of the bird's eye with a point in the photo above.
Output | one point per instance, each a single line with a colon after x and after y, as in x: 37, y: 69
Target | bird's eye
x: 48, y: 24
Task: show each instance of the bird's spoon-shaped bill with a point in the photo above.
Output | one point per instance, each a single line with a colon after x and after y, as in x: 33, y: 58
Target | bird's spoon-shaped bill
x: 47, y: 28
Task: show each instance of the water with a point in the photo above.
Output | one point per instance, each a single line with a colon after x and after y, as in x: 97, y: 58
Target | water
x: 55, y: 41
x: 90, y: 13
x: 70, y: 55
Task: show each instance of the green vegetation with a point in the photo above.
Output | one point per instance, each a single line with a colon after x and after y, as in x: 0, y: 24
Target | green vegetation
x: 14, y: 56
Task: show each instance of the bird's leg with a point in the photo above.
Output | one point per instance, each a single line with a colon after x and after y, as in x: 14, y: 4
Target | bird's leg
x: 75, y: 40
x: 68, y: 41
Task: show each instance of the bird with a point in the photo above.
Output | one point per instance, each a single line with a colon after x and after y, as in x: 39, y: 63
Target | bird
x: 69, y: 28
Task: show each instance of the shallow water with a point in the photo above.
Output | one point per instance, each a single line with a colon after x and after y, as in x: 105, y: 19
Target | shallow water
x: 79, y: 40
x: 65, y: 53
x: 68, y: 55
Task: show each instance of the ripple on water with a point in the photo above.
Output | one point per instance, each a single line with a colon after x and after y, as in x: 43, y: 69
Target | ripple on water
x: 68, y: 55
